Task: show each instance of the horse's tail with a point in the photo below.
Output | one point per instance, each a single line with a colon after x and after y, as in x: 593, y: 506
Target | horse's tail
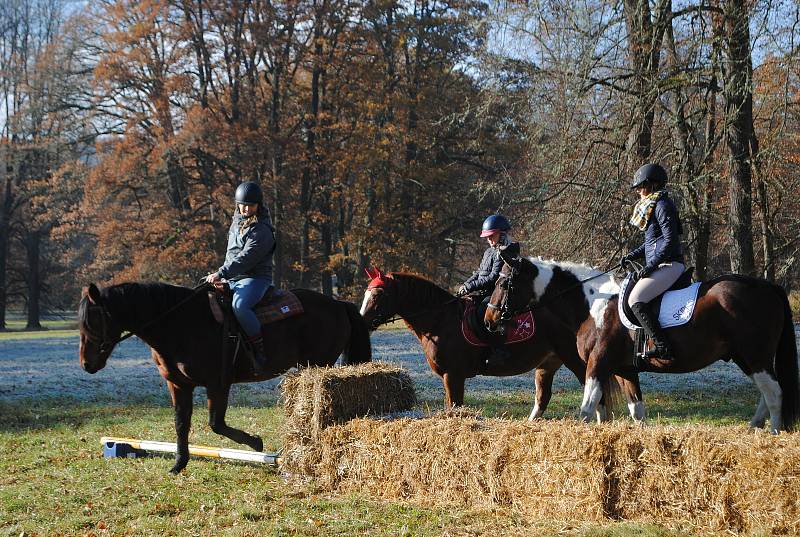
x: 359, y: 348
x: 786, y: 369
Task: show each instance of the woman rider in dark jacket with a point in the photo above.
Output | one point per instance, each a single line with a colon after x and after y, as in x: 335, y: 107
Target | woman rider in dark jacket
x: 495, y: 230
x: 248, y: 264
x: 657, y: 216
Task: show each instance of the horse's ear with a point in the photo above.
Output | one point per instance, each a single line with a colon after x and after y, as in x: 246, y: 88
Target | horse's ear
x: 374, y: 273
x: 92, y: 292
x: 510, y: 253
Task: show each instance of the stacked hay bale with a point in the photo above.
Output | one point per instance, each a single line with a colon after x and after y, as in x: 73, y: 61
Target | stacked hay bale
x: 318, y: 397
x: 718, y: 478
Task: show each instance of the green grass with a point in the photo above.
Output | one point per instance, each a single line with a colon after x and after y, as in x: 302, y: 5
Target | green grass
x: 15, y: 329
x: 54, y: 479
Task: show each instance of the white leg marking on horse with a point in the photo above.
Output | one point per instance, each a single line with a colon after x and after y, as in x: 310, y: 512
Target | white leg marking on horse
x: 598, y: 311
x: 773, y: 396
x: 760, y: 417
x: 367, y: 296
x: 592, y: 394
x: 636, y: 410
x: 601, y: 413
x: 535, y: 413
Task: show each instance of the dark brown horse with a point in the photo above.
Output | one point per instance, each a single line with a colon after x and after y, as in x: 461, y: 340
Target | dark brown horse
x: 186, y: 343
x: 746, y: 320
x: 435, y: 317
x: 578, y: 295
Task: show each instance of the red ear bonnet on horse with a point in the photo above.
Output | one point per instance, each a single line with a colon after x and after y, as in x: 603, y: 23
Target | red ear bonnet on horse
x: 377, y: 278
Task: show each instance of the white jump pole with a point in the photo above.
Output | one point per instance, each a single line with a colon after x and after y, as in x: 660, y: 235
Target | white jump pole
x: 127, y: 447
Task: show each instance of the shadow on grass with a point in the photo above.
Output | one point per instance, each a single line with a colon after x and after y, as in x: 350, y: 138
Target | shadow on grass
x: 27, y: 415
x: 720, y: 406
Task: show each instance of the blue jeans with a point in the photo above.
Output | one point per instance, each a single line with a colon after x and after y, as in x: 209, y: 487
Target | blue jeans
x: 246, y: 294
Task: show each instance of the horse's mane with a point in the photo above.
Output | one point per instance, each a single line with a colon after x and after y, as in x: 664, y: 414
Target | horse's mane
x: 136, y: 301
x: 603, y: 283
x: 419, y: 288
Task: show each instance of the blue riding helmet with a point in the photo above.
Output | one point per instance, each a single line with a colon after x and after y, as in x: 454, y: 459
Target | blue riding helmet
x: 249, y: 192
x: 495, y: 223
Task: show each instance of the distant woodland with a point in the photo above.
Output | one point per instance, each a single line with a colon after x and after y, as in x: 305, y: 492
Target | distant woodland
x: 383, y: 132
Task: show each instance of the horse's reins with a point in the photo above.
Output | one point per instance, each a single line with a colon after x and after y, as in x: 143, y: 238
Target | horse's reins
x: 107, y: 345
x: 417, y: 314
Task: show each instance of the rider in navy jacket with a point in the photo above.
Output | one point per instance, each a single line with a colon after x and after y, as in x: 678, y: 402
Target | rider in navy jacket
x: 495, y: 230
x: 657, y: 216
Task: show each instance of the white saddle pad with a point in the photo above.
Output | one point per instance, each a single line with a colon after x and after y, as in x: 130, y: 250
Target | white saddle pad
x: 677, y: 307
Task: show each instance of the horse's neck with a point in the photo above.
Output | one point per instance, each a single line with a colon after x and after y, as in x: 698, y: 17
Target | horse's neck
x: 420, y: 303
x: 559, y: 286
x: 141, y: 308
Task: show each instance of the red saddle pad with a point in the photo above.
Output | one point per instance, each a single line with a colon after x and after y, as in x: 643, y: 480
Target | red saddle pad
x: 520, y: 328
x: 276, y: 305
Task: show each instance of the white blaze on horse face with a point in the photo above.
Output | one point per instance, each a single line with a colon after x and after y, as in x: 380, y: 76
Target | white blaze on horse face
x: 367, y: 295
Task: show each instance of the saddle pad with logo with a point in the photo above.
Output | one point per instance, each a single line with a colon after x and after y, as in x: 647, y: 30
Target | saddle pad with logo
x: 276, y: 305
x: 520, y: 328
x: 676, y: 307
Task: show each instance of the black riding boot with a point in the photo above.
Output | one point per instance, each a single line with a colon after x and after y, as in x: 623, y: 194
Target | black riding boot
x: 649, y: 322
x: 500, y: 355
x: 259, y: 356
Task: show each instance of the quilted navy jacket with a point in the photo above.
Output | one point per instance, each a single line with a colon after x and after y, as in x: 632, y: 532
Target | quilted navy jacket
x: 662, y: 243
x: 485, y: 277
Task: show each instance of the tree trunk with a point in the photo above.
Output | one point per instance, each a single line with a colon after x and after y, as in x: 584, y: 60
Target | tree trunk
x: 739, y: 135
x: 33, y: 277
x: 644, y: 50
x: 5, y: 228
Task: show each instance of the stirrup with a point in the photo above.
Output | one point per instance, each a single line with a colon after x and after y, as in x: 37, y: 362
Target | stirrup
x: 660, y: 352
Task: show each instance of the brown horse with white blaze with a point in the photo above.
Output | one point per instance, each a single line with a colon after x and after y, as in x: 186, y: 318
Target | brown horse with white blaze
x: 187, y: 344
x: 435, y: 318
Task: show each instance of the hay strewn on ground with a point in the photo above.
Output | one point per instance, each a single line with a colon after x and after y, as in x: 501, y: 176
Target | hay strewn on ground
x: 718, y: 478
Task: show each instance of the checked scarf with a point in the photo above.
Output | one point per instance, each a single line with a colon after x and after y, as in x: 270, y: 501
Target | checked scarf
x: 643, y: 209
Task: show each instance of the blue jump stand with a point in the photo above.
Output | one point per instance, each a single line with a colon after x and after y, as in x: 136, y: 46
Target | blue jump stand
x: 114, y: 449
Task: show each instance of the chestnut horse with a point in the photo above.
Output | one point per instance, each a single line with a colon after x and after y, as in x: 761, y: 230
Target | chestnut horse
x: 578, y: 295
x: 743, y: 319
x: 435, y: 316
x: 186, y: 344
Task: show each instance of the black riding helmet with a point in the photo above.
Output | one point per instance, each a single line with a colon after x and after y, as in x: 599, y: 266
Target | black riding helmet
x: 652, y: 173
x: 249, y: 192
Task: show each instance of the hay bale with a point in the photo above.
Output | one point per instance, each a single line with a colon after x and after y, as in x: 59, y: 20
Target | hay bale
x: 720, y: 478
x: 318, y: 397
x: 710, y: 478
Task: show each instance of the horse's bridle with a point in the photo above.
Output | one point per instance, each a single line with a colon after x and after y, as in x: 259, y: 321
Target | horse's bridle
x: 506, y: 314
x: 104, y: 344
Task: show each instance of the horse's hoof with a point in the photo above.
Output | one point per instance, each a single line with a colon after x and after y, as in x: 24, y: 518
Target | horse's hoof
x: 180, y: 464
x: 175, y: 470
x: 258, y: 444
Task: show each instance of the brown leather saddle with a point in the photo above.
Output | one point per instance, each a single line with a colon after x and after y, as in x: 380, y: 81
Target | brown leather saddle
x: 276, y: 305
